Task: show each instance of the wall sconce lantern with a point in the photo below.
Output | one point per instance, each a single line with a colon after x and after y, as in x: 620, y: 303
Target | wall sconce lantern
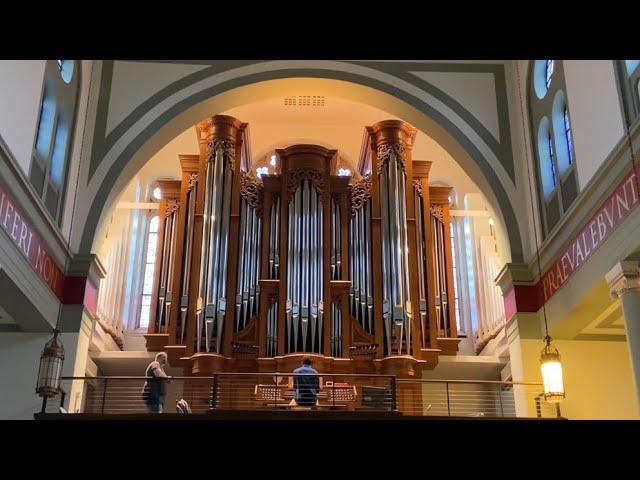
x: 50, y: 370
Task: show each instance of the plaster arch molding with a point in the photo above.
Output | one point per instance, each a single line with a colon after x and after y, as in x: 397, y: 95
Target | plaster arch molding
x: 115, y: 161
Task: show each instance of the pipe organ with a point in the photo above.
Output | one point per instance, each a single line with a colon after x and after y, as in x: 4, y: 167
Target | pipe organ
x: 360, y: 265
x: 442, y: 262
x: 162, y: 298
x: 257, y: 269
x: 184, y: 247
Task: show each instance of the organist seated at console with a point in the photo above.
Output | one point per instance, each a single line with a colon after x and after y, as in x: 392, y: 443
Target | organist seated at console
x: 306, y: 384
x: 329, y: 395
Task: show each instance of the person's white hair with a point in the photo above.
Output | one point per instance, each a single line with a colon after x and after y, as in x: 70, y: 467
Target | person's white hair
x: 161, y: 354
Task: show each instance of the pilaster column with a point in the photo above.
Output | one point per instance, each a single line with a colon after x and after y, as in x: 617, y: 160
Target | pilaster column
x: 77, y: 321
x: 523, y: 325
x: 624, y: 283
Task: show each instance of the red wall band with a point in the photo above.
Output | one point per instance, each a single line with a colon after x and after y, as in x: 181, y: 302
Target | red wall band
x: 610, y: 214
x: 24, y: 236
x: 69, y: 290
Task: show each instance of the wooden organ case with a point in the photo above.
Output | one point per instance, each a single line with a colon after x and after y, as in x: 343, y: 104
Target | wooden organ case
x: 258, y: 271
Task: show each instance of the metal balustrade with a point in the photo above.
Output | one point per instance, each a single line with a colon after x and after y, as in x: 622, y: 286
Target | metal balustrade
x: 474, y: 398
x: 276, y: 391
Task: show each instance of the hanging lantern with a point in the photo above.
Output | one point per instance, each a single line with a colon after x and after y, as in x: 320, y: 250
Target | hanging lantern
x: 551, y: 373
x: 50, y: 371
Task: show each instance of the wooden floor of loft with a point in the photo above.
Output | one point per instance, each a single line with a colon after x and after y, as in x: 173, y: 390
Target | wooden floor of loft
x: 269, y: 415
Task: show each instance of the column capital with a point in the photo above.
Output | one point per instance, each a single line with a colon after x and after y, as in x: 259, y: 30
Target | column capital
x: 87, y: 265
x: 624, y: 277
x: 513, y: 274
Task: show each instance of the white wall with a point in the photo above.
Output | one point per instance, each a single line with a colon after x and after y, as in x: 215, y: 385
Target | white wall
x: 78, y: 147
x: 594, y: 107
x: 128, y: 92
x: 516, y: 76
x: 597, y: 378
x: 20, y: 94
x: 475, y: 91
x: 19, y: 362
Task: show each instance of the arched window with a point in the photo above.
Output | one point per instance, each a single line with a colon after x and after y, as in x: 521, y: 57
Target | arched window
x: 149, y: 271
x: 628, y: 73
x: 547, y: 159
x: 553, y: 145
x: 631, y: 66
x: 52, y: 144
x: 552, y: 160
x: 567, y: 134
x: 561, y: 125
x: 548, y: 72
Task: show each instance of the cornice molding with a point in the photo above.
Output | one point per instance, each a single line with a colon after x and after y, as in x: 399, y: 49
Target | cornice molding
x: 624, y: 277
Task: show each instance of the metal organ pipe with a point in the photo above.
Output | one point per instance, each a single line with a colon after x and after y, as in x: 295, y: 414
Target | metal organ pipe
x: 336, y: 324
x: 352, y: 308
x: 215, y: 252
x: 336, y: 314
x: 361, y: 294
x: 354, y: 232
x: 396, y: 305
x: 305, y: 274
x: 272, y: 328
x: 214, y: 246
x: 421, y: 256
x: 289, y: 305
x: 256, y: 262
x: 162, y: 292
x: 441, y: 276
x: 362, y: 267
x: 367, y: 254
x: 319, y: 266
x: 204, y: 259
x: 273, y: 273
x: 312, y: 308
x: 274, y: 239
x: 241, y: 263
x: 386, y: 260
x: 169, y: 298
x: 247, y: 298
x: 224, y: 256
x: 184, y: 300
x: 249, y: 293
x: 164, y: 295
x: 336, y: 259
x: 296, y: 280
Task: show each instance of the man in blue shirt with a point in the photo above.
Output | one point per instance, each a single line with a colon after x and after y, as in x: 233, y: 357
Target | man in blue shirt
x: 306, y: 383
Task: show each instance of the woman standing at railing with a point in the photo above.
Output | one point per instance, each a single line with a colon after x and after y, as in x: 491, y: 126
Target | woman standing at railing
x: 155, y: 388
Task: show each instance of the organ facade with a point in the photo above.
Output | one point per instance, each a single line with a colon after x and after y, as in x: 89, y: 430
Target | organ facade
x: 254, y: 270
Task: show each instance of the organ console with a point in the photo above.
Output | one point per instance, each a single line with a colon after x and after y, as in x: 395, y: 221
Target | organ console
x: 340, y: 395
x: 255, y: 271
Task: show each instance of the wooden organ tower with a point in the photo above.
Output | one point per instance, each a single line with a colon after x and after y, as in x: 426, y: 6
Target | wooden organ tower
x: 252, y: 272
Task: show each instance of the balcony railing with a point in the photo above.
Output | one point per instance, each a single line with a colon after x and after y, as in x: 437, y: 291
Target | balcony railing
x: 277, y: 391
x: 475, y: 398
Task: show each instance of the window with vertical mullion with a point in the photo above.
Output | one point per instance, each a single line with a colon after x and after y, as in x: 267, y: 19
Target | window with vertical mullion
x: 149, y: 272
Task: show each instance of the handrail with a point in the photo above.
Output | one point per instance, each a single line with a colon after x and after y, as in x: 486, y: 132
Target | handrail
x: 245, y: 391
x: 435, y: 380
x: 282, y: 374
x: 246, y: 374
